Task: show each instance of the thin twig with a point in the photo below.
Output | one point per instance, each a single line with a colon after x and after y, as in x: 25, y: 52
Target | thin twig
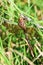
x: 37, y: 58
x: 30, y: 47
x: 39, y: 50
x: 41, y: 53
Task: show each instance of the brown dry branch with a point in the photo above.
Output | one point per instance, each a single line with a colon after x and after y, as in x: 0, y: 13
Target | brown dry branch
x: 30, y: 47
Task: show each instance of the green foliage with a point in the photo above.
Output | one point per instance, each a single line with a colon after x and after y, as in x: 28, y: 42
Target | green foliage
x: 14, y: 41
